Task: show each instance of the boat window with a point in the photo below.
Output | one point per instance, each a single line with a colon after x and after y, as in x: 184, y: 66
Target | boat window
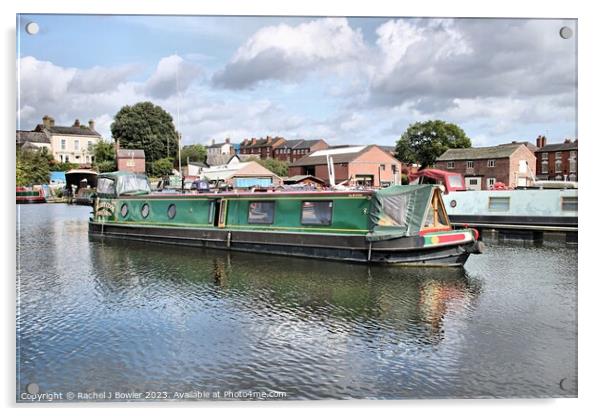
x: 569, y: 203
x: 316, y: 213
x: 456, y: 181
x: 106, y: 186
x: 145, y: 210
x: 261, y: 212
x: 499, y: 203
x: 171, y: 211
x: 124, y: 210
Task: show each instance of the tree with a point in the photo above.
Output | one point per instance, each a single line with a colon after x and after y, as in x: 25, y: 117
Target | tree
x: 162, y: 167
x: 424, y: 142
x: 193, y: 153
x: 279, y: 167
x: 148, y: 127
x: 33, y: 166
x: 104, y: 156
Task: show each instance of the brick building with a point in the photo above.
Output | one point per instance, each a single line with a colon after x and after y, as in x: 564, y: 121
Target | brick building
x: 131, y: 160
x: 262, y: 148
x: 556, y: 161
x: 353, y: 165
x: 292, y: 150
x: 511, y: 164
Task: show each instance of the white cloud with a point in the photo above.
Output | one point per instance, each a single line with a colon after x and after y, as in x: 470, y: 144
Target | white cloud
x: 172, y: 75
x: 285, y: 52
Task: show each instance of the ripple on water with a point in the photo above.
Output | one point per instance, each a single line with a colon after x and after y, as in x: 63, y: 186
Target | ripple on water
x: 117, y: 316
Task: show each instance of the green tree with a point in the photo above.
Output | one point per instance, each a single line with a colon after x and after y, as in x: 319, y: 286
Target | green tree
x: 279, y: 167
x: 33, y: 166
x: 424, y: 142
x: 193, y: 153
x: 162, y: 167
x: 148, y: 127
x: 62, y: 166
x: 104, y: 156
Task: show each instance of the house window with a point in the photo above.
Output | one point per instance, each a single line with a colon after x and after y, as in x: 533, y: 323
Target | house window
x: 76, y: 145
x: 63, y: 144
x: 261, y: 212
x: 569, y: 203
x: 573, y: 162
x: 544, y: 166
x: 558, y: 155
x: 558, y: 166
x: 491, y: 163
x: 470, y: 164
x: 499, y: 203
x: 316, y: 213
x: 383, y: 167
x: 394, y: 168
x: 451, y: 165
x: 473, y: 181
x: 490, y: 182
x: 544, y: 156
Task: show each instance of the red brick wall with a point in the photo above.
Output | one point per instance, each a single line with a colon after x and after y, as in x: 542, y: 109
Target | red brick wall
x: 131, y: 165
x: 565, y: 169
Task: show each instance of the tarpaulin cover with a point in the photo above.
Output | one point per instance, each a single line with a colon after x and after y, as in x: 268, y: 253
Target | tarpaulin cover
x: 398, y: 211
x: 123, y: 183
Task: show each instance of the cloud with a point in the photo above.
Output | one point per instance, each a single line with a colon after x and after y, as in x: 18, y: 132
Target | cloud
x: 433, y: 62
x: 100, y: 79
x: 285, y: 52
x: 172, y: 75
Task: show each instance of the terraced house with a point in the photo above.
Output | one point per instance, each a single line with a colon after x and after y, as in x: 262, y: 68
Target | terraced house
x: 513, y: 164
x: 292, y: 150
x: 262, y: 148
x: 66, y: 143
x: 557, y: 161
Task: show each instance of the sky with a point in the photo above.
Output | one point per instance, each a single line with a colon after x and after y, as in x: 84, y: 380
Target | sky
x: 345, y: 80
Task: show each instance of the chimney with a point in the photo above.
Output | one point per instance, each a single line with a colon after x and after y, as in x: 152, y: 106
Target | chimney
x: 51, y: 122
x: 253, y: 140
x: 212, y: 142
x: 76, y: 123
x: 116, y: 149
x: 244, y: 142
x: 269, y: 140
x: 228, y: 140
x: 568, y: 141
x: 46, y: 121
x: 91, y: 124
x: 538, y: 142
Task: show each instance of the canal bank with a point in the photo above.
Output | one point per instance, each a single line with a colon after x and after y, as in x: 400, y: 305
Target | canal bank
x: 123, y: 316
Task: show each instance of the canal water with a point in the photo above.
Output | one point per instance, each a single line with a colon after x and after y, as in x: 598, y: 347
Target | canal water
x: 104, y: 317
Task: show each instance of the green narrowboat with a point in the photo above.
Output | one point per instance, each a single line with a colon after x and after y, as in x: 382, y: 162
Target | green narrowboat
x: 404, y: 225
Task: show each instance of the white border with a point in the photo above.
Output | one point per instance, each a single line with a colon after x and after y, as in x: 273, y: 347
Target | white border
x: 589, y: 107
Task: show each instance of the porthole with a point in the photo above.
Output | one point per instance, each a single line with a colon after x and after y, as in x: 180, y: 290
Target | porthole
x: 453, y: 203
x: 124, y: 210
x: 171, y: 211
x: 145, y: 210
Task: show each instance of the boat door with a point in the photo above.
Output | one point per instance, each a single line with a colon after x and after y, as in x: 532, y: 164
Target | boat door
x: 219, y: 212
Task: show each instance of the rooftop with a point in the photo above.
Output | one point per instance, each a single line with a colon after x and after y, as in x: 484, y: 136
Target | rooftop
x: 32, y: 137
x: 473, y: 153
x: 558, y: 147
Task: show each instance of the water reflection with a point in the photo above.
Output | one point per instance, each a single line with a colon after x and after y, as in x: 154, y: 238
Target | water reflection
x: 110, y: 315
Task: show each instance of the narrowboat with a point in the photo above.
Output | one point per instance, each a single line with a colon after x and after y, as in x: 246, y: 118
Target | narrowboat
x: 405, y: 225
x: 544, y: 206
x: 30, y: 196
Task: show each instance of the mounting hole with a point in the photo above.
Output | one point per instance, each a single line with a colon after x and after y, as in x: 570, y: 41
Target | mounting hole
x: 566, y: 32
x: 32, y: 28
x: 453, y: 203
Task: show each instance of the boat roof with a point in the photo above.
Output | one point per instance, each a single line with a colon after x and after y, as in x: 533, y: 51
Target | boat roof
x: 268, y: 194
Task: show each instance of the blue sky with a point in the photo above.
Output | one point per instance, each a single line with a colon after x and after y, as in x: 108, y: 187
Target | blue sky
x: 355, y: 80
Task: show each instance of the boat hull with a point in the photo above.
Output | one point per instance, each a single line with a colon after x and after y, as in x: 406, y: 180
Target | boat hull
x: 350, y: 248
